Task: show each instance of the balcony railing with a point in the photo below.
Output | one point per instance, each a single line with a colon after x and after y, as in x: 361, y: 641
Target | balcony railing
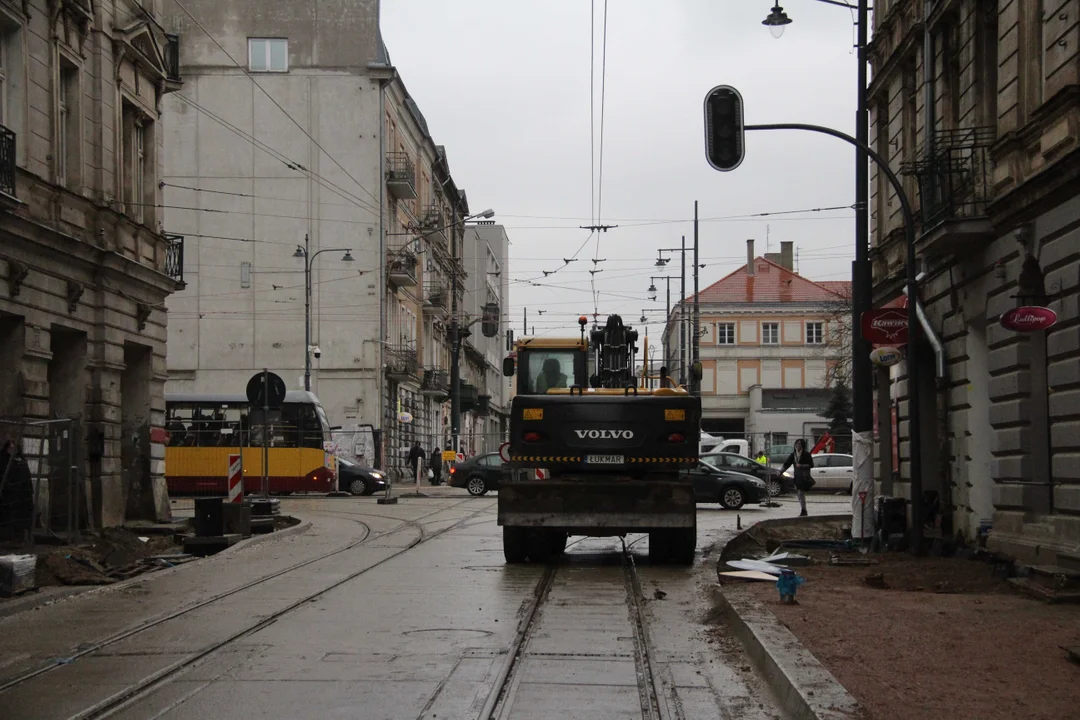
x: 436, y: 383
x: 7, y: 161
x: 401, y: 362
x: 401, y: 175
x: 401, y: 269
x: 436, y: 296
x: 174, y: 257
x: 955, y: 177
x: 470, y: 396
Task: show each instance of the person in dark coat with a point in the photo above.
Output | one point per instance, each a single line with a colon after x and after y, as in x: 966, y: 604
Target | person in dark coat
x: 417, y: 456
x: 802, y: 460
x: 435, y: 465
x: 16, y: 494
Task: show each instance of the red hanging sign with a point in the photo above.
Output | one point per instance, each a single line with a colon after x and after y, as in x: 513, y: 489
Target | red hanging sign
x: 885, y: 326
x: 1029, y: 319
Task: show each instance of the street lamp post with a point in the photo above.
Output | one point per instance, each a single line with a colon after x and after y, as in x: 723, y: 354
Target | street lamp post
x: 660, y: 262
x: 862, y: 380
x: 309, y: 259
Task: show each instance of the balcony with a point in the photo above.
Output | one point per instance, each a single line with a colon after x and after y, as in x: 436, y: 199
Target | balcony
x: 174, y: 258
x: 954, y: 181
x: 436, y: 384
x: 436, y: 297
x: 483, y: 405
x: 7, y: 161
x: 401, y: 269
x: 400, y: 176
x: 470, y: 396
x: 435, y: 221
x: 401, y: 363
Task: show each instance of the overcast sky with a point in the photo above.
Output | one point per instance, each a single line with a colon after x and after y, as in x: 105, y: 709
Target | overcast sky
x: 505, y: 86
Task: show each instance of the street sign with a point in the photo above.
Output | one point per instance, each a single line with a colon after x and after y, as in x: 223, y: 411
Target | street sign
x: 885, y: 326
x: 449, y: 456
x: 460, y: 457
x: 1029, y: 319
x: 504, y: 452
x: 274, y: 384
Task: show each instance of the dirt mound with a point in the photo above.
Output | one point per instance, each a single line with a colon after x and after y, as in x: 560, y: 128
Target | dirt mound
x: 104, y: 557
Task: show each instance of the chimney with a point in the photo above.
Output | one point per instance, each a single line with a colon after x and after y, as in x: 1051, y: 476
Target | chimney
x: 787, y: 255
x: 750, y: 257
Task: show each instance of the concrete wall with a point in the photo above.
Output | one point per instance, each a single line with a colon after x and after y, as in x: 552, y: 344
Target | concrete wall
x: 262, y: 162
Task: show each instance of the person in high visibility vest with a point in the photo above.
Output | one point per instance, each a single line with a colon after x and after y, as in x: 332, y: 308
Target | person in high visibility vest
x: 762, y: 458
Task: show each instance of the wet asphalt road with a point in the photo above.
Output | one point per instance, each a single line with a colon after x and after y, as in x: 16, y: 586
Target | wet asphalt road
x: 400, y: 611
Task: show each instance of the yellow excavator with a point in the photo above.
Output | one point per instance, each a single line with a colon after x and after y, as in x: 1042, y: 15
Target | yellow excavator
x: 594, y: 450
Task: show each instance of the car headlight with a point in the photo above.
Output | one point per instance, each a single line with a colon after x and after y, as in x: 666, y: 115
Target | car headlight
x: 759, y: 483
x: 376, y: 475
x: 790, y: 472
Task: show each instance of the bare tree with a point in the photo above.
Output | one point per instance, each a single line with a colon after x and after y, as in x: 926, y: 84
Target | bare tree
x: 838, y: 338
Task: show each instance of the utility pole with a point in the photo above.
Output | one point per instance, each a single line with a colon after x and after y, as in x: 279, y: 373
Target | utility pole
x: 682, y: 318
x: 695, y: 383
x: 455, y: 363
x: 525, y: 321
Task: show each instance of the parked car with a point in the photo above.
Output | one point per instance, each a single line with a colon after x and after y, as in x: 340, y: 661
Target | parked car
x: 778, y: 454
x: 831, y: 471
x: 358, y: 480
x: 479, y: 473
x: 777, y: 483
x: 727, y: 487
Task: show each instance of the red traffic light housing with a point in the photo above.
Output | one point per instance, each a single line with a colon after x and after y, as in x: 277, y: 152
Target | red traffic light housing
x: 724, y: 134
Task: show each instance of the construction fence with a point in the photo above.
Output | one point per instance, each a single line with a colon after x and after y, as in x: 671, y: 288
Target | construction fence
x: 42, y: 485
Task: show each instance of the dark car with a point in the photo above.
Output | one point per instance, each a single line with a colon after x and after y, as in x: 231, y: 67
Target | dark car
x: 730, y: 489
x: 358, y: 480
x: 479, y: 473
x: 777, y: 483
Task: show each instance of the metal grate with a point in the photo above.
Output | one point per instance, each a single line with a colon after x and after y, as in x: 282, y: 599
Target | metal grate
x: 174, y: 257
x: 7, y: 161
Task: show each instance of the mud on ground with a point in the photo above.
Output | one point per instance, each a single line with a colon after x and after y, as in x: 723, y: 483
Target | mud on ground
x: 102, y: 558
x: 930, y: 637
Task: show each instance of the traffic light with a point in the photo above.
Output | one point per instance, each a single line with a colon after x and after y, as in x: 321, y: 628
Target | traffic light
x: 724, y: 128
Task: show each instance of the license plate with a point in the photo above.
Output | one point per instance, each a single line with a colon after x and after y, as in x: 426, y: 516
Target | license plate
x: 604, y: 459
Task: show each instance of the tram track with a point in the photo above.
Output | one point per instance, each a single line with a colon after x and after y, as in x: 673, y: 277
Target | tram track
x: 656, y: 701
x: 138, y: 689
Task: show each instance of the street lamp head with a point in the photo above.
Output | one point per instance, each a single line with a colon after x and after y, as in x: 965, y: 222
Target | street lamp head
x: 643, y: 319
x: 652, y: 288
x: 299, y: 252
x: 777, y: 21
x: 661, y: 262
x: 489, y: 213
x: 347, y: 257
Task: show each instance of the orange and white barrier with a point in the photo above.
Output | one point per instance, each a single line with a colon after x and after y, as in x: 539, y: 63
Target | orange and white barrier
x: 236, y: 478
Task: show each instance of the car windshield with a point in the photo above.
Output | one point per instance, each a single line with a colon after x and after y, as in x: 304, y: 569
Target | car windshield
x: 346, y: 463
x: 710, y: 463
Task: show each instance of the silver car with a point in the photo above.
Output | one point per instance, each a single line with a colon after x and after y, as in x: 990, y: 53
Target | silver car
x: 831, y: 471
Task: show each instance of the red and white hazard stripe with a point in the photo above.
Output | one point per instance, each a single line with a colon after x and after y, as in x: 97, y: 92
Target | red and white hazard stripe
x: 236, y: 479
x: 541, y: 474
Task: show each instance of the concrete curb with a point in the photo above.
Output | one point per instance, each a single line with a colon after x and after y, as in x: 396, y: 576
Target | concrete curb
x: 44, y: 599
x: 803, y: 687
x: 801, y: 684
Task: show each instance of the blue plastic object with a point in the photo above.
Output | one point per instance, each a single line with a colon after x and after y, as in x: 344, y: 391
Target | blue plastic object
x: 787, y: 583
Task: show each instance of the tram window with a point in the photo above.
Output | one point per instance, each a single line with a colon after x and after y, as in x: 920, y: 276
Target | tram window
x: 311, y: 427
x: 178, y: 425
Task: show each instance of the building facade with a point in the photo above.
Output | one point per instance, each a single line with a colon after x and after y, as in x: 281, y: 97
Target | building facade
x: 487, y: 262
x: 85, y: 265
x: 977, y: 104
x: 298, y: 158
x: 765, y: 329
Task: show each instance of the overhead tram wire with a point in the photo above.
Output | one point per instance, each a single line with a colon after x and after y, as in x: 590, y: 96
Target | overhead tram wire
x: 270, y: 97
x: 600, y: 175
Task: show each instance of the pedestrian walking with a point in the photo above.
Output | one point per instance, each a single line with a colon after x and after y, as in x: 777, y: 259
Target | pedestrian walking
x: 416, y: 458
x: 802, y: 461
x: 435, y: 466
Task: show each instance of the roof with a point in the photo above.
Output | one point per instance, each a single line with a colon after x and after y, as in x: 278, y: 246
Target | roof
x: 570, y: 343
x: 291, y: 396
x: 772, y: 283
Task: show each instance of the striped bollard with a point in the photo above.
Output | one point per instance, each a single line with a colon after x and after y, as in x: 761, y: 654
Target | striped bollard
x: 236, y: 478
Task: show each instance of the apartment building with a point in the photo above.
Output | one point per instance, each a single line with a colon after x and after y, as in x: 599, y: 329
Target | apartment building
x: 487, y: 263
x: 978, y: 105
x: 771, y: 343
x: 85, y: 264
x: 297, y: 147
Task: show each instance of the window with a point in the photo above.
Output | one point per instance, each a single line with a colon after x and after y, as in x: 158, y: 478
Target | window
x: 770, y: 333
x: 268, y: 54
x: 6, y: 37
x: 69, y: 137
x: 549, y: 370
x: 840, y: 461
x: 725, y: 333
x: 135, y: 160
x: 815, y: 333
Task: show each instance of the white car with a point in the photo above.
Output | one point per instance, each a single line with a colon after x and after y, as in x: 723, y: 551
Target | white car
x: 831, y: 471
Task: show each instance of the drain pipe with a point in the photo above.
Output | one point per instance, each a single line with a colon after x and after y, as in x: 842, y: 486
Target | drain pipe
x: 931, y: 336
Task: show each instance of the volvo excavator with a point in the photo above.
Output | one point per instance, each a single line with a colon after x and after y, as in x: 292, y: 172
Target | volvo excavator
x: 596, y: 451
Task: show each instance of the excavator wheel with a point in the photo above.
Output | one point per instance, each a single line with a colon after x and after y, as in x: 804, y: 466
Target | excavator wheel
x: 515, y: 544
